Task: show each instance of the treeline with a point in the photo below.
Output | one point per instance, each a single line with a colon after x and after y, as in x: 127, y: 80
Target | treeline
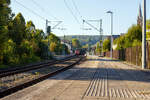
x: 21, y: 42
x: 84, y: 39
x: 133, y: 37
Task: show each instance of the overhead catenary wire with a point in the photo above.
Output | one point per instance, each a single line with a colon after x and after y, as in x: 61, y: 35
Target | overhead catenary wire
x: 67, y: 6
x: 75, y: 6
x: 81, y: 17
x: 53, y: 23
x: 30, y: 10
x: 42, y: 9
x: 38, y: 5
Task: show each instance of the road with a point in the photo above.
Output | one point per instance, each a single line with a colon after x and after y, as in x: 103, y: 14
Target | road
x: 95, y: 79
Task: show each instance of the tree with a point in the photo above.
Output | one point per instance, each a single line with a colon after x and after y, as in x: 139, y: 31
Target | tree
x: 98, y: 48
x: 23, y: 43
x: 54, y: 38
x: 30, y: 25
x: 148, y: 28
x: 39, y: 35
x: 136, y: 43
x: 132, y: 38
x: 134, y: 32
x: 5, y: 13
x: 18, y: 33
x: 106, y: 45
x: 76, y: 43
x: 55, y: 44
x: 148, y: 24
x: 30, y: 30
x: 53, y: 47
x: 8, y: 52
x: 42, y: 53
x: 120, y: 42
x: 35, y: 36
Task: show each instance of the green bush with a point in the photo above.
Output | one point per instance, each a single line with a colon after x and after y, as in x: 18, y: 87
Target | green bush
x: 132, y: 38
x: 8, y: 52
x: 26, y: 48
x: 29, y: 59
x: 106, y: 45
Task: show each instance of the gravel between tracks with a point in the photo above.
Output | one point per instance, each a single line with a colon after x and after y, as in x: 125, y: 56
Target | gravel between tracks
x: 14, y: 80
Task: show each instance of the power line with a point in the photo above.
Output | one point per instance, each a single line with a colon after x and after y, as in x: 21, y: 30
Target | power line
x: 39, y: 6
x: 42, y: 9
x: 71, y: 12
x: 77, y: 10
x: 31, y: 10
x: 75, y: 6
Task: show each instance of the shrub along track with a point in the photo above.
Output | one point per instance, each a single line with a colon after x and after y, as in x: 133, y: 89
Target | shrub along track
x: 14, y: 82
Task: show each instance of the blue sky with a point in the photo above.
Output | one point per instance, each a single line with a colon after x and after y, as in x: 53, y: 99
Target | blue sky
x: 125, y: 14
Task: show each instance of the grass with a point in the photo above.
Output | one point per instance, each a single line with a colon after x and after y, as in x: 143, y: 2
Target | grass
x: 4, y: 66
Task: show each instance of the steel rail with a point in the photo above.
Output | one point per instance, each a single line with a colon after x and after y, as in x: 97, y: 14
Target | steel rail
x: 32, y: 67
x: 37, y: 80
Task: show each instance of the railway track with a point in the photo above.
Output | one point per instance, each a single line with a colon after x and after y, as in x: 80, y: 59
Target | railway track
x: 17, y: 70
x: 66, y: 64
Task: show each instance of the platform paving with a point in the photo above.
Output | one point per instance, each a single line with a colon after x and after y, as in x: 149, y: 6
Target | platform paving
x: 95, y: 79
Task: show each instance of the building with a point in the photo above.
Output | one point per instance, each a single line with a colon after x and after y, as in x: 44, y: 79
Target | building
x: 140, y: 17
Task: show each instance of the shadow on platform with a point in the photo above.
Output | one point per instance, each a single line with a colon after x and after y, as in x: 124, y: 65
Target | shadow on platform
x: 106, y: 73
x: 104, y: 60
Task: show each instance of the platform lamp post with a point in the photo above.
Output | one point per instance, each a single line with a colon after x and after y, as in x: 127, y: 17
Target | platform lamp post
x: 144, y: 36
x: 111, y: 49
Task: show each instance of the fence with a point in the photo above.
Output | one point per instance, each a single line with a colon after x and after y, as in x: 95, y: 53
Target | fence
x: 132, y: 55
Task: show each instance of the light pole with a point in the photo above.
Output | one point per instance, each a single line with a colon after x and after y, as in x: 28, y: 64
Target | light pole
x: 144, y: 36
x: 111, y: 49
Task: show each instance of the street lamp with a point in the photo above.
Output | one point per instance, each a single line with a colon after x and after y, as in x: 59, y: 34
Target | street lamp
x: 111, y: 49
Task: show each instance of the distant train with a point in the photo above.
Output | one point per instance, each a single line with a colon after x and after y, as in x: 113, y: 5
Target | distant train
x: 80, y: 51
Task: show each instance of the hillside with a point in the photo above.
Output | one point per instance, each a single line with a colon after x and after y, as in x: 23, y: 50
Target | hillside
x: 85, y: 39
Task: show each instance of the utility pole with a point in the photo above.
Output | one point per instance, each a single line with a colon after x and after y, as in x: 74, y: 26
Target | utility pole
x: 144, y: 36
x: 99, y: 30
x: 64, y: 52
x: 48, y: 31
